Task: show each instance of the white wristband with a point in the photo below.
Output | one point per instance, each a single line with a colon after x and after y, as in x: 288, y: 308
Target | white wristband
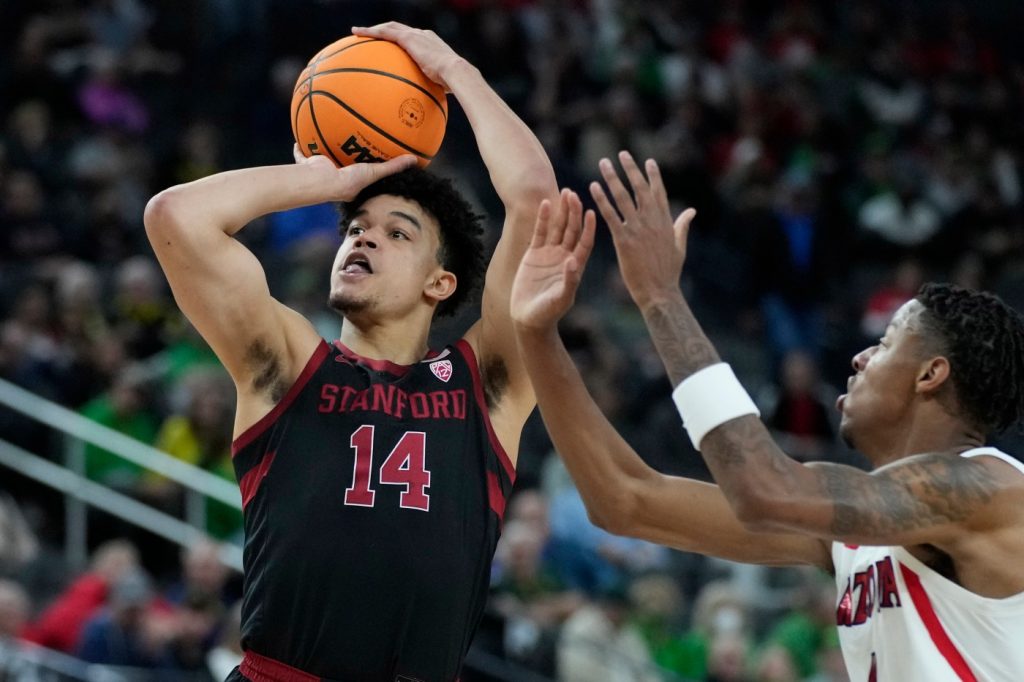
x: 709, y: 398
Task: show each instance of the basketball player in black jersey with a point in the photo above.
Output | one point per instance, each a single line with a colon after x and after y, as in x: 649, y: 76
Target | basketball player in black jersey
x: 373, y: 471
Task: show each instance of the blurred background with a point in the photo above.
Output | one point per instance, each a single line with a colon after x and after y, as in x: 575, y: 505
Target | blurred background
x: 839, y: 155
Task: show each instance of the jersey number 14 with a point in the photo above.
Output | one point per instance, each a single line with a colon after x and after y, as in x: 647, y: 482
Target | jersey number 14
x: 405, y: 466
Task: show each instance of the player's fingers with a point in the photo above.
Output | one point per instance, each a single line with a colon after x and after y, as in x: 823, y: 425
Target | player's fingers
x: 576, y: 263
x: 378, y: 31
x: 389, y: 167
x: 297, y: 154
x: 657, y: 184
x: 389, y: 30
x: 586, y: 242
x: 641, y: 190
x: 556, y: 228
x: 540, y: 228
x: 623, y: 201
x: 398, y: 164
x: 682, y: 228
x: 570, y: 274
x: 574, y: 223
x: 608, y: 212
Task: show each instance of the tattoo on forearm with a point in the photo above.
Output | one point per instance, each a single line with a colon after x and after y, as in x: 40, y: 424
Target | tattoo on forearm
x: 929, y: 491
x: 728, y: 455
x: 732, y: 447
x: 925, y: 492
x: 680, y: 341
x: 741, y: 442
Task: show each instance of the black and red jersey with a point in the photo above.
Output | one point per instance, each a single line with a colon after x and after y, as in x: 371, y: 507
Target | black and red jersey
x: 373, y: 495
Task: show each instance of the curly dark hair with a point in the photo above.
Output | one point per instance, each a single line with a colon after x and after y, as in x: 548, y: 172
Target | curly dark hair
x: 983, y: 338
x: 462, y: 247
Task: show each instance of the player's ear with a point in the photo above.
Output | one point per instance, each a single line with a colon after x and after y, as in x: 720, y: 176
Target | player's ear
x: 440, y: 285
x: 933, y: 374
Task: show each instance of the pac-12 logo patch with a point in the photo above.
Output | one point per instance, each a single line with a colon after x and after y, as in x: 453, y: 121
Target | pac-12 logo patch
x: 442, y: 369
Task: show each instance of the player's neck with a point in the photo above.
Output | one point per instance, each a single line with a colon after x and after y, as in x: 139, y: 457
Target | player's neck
x: 399, y: 343
x: 923, y: 436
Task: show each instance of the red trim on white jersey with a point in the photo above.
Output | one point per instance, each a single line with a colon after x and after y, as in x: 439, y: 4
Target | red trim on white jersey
x: 938, y: 631
x: 931, y: 621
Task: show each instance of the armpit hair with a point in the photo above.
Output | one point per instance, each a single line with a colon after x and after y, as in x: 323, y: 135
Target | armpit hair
x: 265, y: 366
x: 494, y: 373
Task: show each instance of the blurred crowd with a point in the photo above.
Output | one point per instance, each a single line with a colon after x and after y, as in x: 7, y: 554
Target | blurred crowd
x: 113, y: 615
x: 839, y: 154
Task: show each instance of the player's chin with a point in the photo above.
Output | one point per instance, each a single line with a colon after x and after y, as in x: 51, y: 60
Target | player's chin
x: 346, y: 303
x: 847, y: 432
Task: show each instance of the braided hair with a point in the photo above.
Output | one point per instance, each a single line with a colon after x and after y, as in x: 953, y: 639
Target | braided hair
x: 983, y: 338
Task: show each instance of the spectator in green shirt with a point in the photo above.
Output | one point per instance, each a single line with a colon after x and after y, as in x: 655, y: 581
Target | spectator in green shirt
x: 125, y: 408
x: 810, y: 628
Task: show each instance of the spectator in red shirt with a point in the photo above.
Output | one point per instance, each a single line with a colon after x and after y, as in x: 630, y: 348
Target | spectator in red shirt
x: 60, y: 625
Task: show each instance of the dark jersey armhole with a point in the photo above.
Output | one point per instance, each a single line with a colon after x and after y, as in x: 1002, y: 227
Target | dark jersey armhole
x: 478, y: 390
x: 254, y: 431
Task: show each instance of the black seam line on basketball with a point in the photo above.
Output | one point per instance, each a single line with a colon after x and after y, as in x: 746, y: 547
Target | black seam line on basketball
x: 312, y: 63
x: 371, y: 124
x: 295, y: 117
x: 349, y: 47
x: 312, y: 117
x: 377, y: 72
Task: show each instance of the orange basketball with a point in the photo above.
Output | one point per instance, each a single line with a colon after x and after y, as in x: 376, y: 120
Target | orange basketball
x: 364, y: 99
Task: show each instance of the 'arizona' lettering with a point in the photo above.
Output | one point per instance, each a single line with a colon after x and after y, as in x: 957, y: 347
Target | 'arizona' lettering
x: 867, y: 592
x: 393, y: 401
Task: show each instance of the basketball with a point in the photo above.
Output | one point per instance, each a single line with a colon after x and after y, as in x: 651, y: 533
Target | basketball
x: 363, y: 99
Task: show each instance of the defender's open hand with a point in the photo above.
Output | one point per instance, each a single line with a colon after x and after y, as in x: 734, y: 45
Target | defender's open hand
x: 550, y: 271
x: 650, y: 246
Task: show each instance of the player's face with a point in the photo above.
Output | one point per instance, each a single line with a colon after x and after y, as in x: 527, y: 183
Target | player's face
x: 387, y: 258
x: 881, y: 391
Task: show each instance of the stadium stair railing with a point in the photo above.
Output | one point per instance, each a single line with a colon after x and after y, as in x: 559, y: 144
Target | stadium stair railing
x: 80, y: 493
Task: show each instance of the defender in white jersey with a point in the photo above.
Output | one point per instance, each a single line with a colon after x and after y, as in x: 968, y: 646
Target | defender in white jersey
x: 927, y: 548
x: 895, y: 612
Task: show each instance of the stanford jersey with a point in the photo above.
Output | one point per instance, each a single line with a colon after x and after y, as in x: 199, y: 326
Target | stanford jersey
x: 901, y: 621
x: 373, y: 496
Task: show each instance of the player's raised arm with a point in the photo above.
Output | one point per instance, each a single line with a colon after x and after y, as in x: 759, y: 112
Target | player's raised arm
x: 924, y: 499
x: 622, y: 493
x: 219, y: 284
x: 522, y: 176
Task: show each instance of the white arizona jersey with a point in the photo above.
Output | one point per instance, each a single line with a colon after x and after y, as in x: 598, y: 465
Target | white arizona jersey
x: 900, y: 621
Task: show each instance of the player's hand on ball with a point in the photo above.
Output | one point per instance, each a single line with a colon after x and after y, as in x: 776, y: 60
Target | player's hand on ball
x: 343, y: 184
x: 651, y: 247
x: 360, y: 175
x: 432, y: 54
x: 301, y: 158
x: 550, y: 272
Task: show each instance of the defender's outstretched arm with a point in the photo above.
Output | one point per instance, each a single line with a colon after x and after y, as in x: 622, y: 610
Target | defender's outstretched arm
x: 621, y: 492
